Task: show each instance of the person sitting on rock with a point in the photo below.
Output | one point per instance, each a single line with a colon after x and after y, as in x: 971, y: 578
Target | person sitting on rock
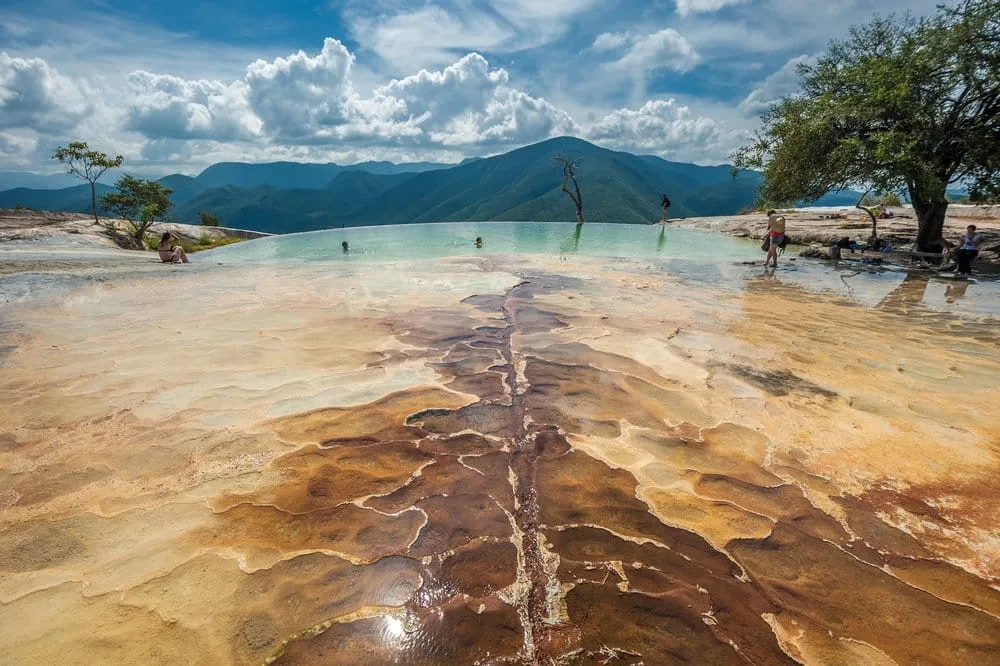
x: 169, y: 253
x: 968, y: 250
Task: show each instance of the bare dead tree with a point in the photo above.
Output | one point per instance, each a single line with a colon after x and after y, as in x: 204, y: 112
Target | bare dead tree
x: 569, y: 175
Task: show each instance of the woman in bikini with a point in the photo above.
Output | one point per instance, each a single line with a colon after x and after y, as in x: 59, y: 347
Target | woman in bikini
x: 171, y: 254
x: 775, y: 236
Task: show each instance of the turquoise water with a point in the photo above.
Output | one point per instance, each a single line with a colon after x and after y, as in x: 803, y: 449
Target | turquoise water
x: 429, y: 241
x: 702, y: 257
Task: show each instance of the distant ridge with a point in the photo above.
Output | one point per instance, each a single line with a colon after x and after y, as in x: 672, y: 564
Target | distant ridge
x: 521, y: 185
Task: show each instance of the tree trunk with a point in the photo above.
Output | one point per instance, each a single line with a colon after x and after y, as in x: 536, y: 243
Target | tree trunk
x: 930, y: 207
x: 93, y: 201
x: 579, y: 217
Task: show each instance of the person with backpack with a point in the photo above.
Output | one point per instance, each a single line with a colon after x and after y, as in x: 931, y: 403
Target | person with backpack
x: 665, y: 205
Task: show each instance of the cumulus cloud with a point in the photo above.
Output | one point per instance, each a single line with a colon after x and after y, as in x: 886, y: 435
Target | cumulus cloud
x: 169, y: 107
x: 783, y: 82
x: 468, y: 103
x: 685, y: 7
x: 298, y: 95
x: 662, y: 127
x: 34, y: 95
x: 310, y: 100
x: 665, y: 49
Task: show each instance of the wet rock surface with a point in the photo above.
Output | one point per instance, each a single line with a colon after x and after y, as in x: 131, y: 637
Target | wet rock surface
x: 498, y: 477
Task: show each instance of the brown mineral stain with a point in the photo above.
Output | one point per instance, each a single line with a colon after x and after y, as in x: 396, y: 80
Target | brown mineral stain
x: 264, y: 533
x: 586, y: 401
x: 445, y: 477
x: 817, y: 580
x: 454, y: 521
x: 452, y: 634
x: 383, y: 419
x: 783, y: 502
x: 459, y: 445
x: 482, y: 568
x: 321, y: 478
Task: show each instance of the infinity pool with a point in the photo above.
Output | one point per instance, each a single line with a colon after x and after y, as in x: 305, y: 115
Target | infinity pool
x: 689, y: 255
x: 427, y: 241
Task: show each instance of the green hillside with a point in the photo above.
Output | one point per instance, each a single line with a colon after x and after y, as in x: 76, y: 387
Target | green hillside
x: 69, y: 199
x: 521, y: 185
x: 185, y: 188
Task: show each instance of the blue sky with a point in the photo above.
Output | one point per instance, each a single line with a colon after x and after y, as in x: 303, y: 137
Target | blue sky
x: 176, y: 86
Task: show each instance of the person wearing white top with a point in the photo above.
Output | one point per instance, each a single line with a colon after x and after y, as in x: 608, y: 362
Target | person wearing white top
x: 968, y: 250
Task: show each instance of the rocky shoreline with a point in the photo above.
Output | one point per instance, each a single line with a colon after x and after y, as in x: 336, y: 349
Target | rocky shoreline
x: 823, y: 225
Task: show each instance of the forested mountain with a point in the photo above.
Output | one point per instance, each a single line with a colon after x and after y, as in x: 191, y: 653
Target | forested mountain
x: 524, y: 184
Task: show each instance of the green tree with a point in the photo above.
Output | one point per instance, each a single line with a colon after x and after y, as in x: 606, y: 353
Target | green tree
x: 898, y: 104
x: 86, y: 164
x: 209, y: 219
x: 139, y: 202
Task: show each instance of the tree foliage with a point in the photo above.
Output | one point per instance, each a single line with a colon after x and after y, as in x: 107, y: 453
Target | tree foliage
x: 86, y: 164
x: 569, y: 170
x: 898, y: 104
x: 208, y: 219
x: 139, y: 202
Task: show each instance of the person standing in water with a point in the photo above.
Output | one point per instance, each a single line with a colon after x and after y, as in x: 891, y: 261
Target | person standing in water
x: 665, y: 205
x: 479, y: 241
x: 775, y: 236
x: 345, y: 247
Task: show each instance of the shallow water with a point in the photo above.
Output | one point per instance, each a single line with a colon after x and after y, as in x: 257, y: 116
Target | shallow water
x: 431, y: 241
x: 498, y: 457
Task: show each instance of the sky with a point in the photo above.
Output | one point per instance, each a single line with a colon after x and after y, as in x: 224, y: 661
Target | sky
x: 177, y: 86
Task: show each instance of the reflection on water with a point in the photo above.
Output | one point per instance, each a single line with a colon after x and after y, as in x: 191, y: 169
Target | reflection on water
x: 696, y: 256
x: 954, y: 292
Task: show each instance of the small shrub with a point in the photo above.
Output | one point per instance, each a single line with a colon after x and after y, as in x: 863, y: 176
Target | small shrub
x: 204, y: 239
x: 891, y: 199
x: 151, y: 240
x: 209, y: 219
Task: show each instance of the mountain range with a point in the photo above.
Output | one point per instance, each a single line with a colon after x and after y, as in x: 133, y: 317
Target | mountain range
x: 521, y: 185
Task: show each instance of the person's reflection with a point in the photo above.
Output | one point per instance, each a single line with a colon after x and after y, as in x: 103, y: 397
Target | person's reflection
x: 910, y: 292
x: 662, y: 240
x: 954, y: 292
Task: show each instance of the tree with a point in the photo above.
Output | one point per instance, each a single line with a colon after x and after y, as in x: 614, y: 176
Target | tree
x: 569, y: 175
x: 139, y: 202
x: 209, y: 219
x: 898, y: 104
x: 86, y: 164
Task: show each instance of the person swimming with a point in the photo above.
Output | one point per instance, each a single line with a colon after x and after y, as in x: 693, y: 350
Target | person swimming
x: 479, y: 241
x: 345, y: 246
